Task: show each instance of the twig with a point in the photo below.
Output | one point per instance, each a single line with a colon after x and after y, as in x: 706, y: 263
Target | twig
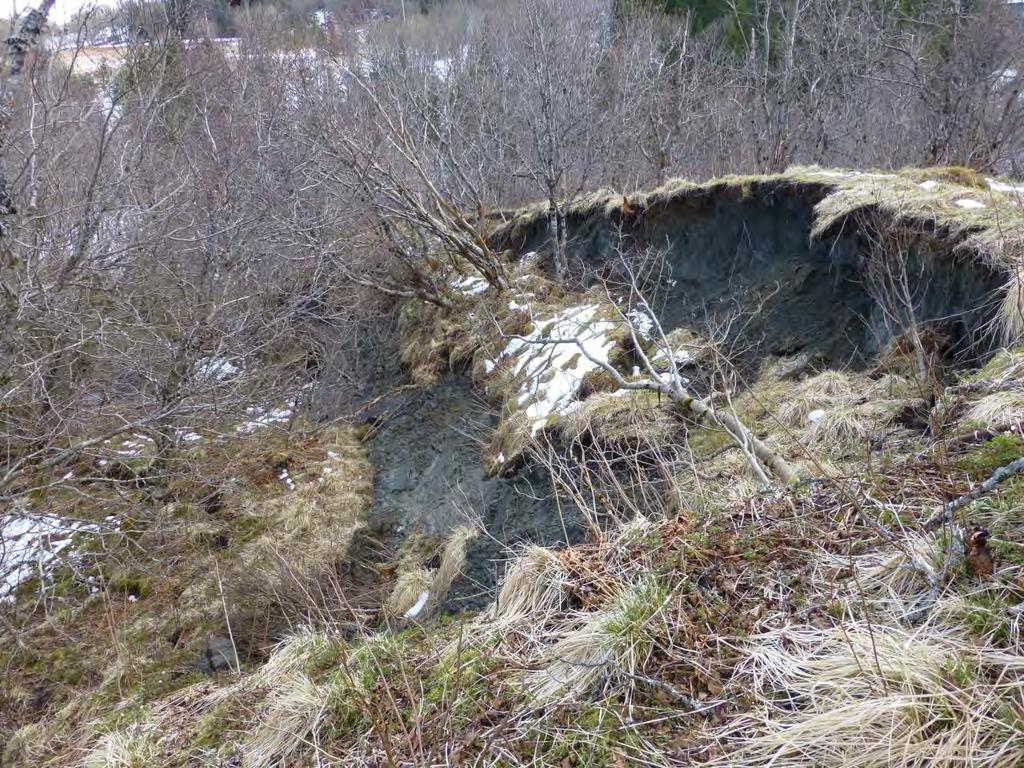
x: 227, y: 619
x: 1002, y: 474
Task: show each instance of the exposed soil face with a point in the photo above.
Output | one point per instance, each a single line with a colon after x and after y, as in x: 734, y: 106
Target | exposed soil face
x: 746, y: 253
x: 430, y: 478
x: 738, y: 255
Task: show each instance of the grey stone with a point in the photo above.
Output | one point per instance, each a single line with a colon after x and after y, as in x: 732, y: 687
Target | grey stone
x: 218, y: 655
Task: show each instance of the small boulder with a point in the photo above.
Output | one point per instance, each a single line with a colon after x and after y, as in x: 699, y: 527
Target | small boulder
x: 218, y: 655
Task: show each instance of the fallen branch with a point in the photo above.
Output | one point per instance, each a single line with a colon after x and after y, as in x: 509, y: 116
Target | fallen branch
x: 670, y: 384
x: 945, y: 515
x: 981, y: 435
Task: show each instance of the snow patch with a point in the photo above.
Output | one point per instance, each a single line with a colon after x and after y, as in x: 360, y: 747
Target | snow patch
x: 555, y: 357
x: 816, y: 415
x: 30, y: 543
x: 642, y: 322
x: 472, y: 285
x: 969, y: 204
x: 681, y: 357
x: 929, y: 185
x: 217, y: 368
x: 999, y: 186
x: 134, y: 447
x: 261, y: 417
x: 285, y: 478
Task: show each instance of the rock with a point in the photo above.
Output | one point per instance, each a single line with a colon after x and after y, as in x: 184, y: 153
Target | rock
x: 219, y: 655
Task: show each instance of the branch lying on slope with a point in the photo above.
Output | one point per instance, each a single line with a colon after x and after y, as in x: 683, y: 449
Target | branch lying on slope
x: 670, y: 384
x: 1002, y: 474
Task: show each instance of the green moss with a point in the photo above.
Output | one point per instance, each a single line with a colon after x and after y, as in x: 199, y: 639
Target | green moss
x: 379, y: 657
x: 347, y: 713
x: 986, y: 617
x: 131, y: 584
x: 459, y: 684
x: 1001, y: 450
x: 705, y: 440
x: 210, y: 731
x: 325, y: 656
x: 590, y: 736
x: 1001, y: 363
x: 63, y: 665
x: 157, y: 683
x: 629, y: 621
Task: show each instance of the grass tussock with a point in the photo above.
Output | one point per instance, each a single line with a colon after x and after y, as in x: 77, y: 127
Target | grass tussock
x: 997, y: 408
x: 534, y: 588
x: 850, y: 429
x: 132, y: 747
x: 625, y: 418
x: 1004, y: 366
x: 817, y: 393
x: 864, y: 695
x: 608, y: 645
x: 288, y: 720
x: 1011, y: 310
x: 306, y: 533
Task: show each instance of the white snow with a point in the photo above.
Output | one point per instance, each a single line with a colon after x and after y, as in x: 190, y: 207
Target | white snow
x: 323, y: 18
x: 852, y: 174
x: 285, y: 478
x: 443, y: 66
x: 969, y: 204
x: 816, y: 415
x: 643, y: 324
x: 421, y: 603
x: 471, y: 285
x: 135, y: 447
x: 680, y: 356
x: 554, y: 359
x: 217, y: 368
x: 30, y: 543
x: 929, y: 185
x: 999, y: 186
x: 263, y: 418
